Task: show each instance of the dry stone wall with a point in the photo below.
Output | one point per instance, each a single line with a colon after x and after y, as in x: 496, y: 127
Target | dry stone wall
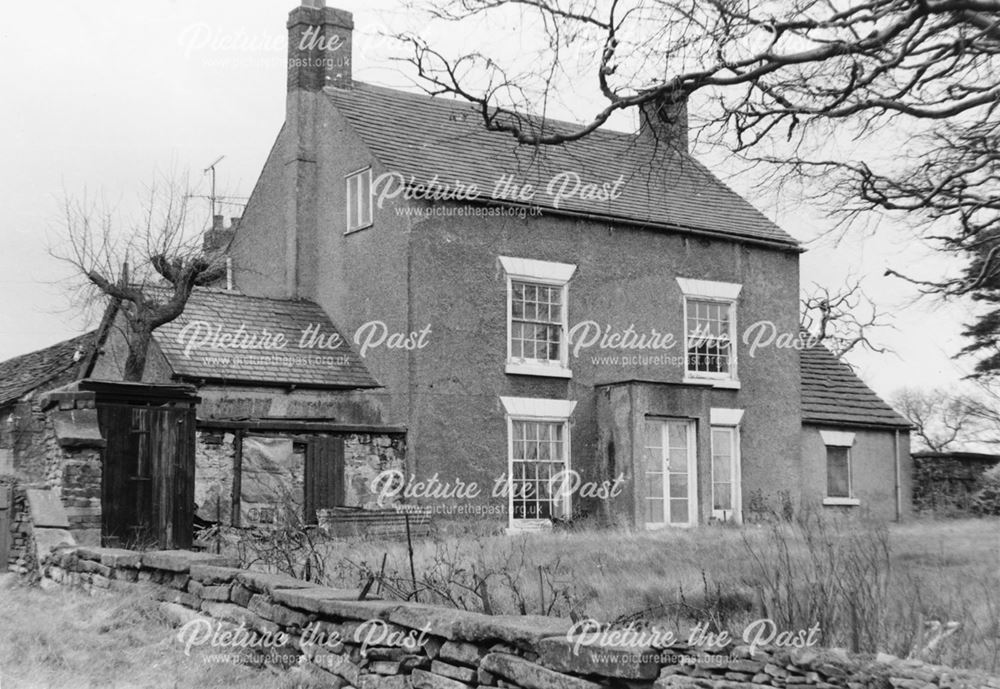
x: 380, y: 644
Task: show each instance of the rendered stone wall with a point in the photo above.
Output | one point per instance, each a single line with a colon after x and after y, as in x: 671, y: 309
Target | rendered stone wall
x: 380, y: 644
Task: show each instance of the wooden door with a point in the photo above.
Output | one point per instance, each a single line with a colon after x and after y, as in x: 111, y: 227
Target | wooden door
x: 5, y: 510
x: 126, y: 478
x: 148, y: 477
x: 324, y: 475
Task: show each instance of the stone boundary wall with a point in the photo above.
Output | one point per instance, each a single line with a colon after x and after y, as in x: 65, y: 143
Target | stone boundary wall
x: 381, y: 644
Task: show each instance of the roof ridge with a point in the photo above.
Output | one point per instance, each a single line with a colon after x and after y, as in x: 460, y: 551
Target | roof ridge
x: 609, y: 175
x: 468, y: 105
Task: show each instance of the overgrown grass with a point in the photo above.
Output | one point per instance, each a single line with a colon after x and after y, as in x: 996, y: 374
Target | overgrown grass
x: 65, y: 639
x: 924, y: 589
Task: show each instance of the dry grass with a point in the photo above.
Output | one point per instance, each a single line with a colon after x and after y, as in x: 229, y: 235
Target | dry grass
x: 906, y: 577
x: 65, y: 639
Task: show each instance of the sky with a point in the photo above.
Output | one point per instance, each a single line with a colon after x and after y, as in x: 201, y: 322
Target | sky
x: 100, y: 95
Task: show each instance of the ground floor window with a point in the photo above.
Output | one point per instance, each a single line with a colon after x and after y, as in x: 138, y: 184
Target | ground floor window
x: 671, y: 494
x: 538, y: 455
x: 839, y: 479
x: 725, y: 478
x: 838, y: 472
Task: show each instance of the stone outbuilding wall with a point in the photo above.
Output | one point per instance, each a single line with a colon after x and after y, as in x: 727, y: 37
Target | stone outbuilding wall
x: 366, y: 455
x: 53, y: 443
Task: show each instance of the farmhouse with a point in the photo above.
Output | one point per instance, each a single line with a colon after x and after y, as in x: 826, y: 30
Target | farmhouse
x: 415, y: 297
x: 581, y: 306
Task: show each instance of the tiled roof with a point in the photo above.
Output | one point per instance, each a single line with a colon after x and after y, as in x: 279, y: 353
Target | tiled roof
x: 833, y: 394
x: 196, y: 346
x: 51, y: 367
x: 433, y: 137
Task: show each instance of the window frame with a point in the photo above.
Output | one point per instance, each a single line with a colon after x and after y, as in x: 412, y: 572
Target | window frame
x: 542, y: 410
x: 841, y: 440
x: 548, y: 274
x: 728, y: 420
x: 358, y: 199
x: 726, y: 293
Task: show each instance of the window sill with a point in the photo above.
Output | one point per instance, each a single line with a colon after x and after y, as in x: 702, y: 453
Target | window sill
x: 360, y: 229
x: 841, y: 502
x: 529, y: 526
x: 529, y: 369
x: 713, y: 382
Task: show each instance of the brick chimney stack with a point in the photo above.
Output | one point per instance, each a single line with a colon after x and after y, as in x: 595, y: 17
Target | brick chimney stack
x: 319, y: 47
x: 319, y: 55
x: 219, y: 237
x: 666, y: 120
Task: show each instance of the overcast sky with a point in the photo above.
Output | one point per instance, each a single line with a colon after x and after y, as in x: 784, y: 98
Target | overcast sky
x: 97, y: 95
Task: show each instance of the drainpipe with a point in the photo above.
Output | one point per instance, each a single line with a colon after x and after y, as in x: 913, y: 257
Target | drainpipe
x: 899, y: 492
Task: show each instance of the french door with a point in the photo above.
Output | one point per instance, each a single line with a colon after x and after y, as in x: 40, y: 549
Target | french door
x: 671, y: 480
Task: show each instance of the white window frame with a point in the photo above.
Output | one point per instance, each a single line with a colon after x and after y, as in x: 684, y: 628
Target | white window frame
x: 543, y: 273
x: 535, y: 409
x: 843, y: 439
x: 692, y: 472
x: 727, y: 293
x: 728, y: 420
x: 361, y: 202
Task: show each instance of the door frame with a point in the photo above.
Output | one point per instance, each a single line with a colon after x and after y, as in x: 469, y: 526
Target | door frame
x: 692, y: 472
x: 6, y: 508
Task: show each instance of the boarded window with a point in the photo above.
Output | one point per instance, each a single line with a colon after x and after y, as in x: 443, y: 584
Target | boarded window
x: 285, y: 479
x: 838, y: 472
x: 272, y: 480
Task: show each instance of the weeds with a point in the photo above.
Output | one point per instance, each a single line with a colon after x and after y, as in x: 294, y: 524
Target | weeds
x: 927, y: 590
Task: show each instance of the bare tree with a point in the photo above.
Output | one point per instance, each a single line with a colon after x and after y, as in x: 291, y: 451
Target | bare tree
x: 944, y: 420
x: 843, y: 319
x: 774, y: 83
x: 145, y: 270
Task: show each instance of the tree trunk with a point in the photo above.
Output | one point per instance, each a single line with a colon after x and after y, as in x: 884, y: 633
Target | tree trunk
x: 138, y: 347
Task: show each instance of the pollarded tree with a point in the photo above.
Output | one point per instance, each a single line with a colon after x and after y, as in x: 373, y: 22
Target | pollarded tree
x: 145, y: 269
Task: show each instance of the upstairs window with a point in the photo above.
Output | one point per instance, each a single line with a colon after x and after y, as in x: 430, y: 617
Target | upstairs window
x: 359, y: 200
x: 537, y: 316
x: 536, y: 321
x: 709, y: 337
x: 710, y: 331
